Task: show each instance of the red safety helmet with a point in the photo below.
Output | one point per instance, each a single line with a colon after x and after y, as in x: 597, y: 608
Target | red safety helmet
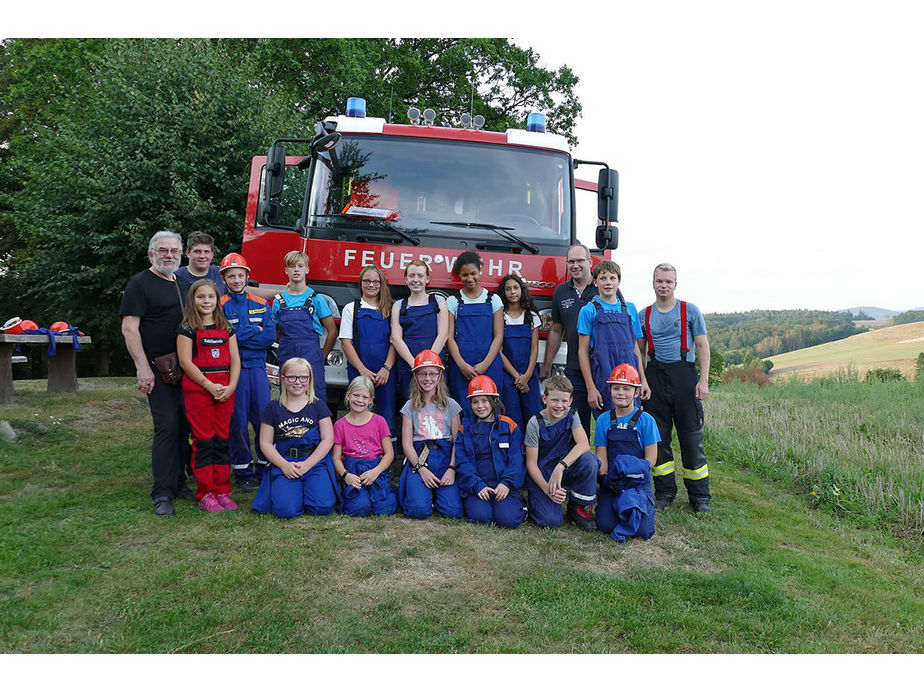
x: 233, y: 261
x: 427, y: 357
x: 59, y: 326
x: 12, y: 326
x: 29, y: 325
x: 624, y: 374
x: 482, y: 385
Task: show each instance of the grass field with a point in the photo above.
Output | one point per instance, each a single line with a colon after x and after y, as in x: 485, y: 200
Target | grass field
x: 889, y: 347
x: 85, y: 566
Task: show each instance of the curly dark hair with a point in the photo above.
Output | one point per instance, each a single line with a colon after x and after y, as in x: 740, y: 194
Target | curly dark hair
x: 469, y: 257
x: 527, y: 302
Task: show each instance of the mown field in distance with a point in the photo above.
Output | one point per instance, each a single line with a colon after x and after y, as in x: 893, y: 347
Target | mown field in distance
x: 85, y: 566
x: 889, y: 347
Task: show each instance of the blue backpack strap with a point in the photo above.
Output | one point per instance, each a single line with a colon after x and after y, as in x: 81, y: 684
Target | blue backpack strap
x: 355, y: 324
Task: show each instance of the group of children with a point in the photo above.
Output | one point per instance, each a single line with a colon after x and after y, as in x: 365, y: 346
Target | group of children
x: 472, y: 435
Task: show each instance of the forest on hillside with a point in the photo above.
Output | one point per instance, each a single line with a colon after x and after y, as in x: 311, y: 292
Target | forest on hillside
x: 742, y: 337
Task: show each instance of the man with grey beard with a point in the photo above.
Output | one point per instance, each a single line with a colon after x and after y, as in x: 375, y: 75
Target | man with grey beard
x: 151, y: 311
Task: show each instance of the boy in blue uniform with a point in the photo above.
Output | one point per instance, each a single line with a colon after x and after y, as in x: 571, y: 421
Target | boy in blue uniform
x: 301, y: 316
x: 559, y: 463
x: 252, y: 321
x: 626, y: 439
x: 608, y: 330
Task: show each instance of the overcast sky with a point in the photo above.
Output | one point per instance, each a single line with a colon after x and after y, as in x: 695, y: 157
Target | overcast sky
x: 774, y: 155
x: 772, y: 152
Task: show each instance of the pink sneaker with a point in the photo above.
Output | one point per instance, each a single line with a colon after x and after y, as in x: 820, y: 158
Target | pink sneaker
x: 224, y: 500
x: 209, y: 504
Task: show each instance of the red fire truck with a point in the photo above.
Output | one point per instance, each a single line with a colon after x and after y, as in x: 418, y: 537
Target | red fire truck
x: 366, y: 192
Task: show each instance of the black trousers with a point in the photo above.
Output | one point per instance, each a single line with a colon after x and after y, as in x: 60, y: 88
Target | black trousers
x: 673, y: 404
x: 170, y: 447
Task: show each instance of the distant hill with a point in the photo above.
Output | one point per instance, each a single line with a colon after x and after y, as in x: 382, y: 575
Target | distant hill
x: 873, y: 312
x: 742, y: 337
x: 889, y: 347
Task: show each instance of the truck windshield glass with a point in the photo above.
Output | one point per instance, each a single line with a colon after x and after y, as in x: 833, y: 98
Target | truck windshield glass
x: 428, y: 187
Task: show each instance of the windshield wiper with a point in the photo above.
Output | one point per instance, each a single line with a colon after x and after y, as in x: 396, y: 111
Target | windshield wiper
x: 499, y: 230
x: 377, y: 223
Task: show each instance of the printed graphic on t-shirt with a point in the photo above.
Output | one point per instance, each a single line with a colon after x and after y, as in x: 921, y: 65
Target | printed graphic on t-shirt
x: 431, y: 425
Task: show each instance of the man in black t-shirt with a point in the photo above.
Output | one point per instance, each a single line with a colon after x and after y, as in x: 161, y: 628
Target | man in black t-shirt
x: 567, y: 301
x: 151, y: 310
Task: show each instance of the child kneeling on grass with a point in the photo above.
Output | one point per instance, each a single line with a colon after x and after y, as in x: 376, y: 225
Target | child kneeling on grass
x: 489, y: 458
x: 430, y: 422
x: 363, y: 453
x: 296, y: 436
x: 559, y: 463
x: 627, y: 441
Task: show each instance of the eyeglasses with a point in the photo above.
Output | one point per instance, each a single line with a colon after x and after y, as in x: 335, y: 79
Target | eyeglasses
x: 424, y: 375
x: 169, y: 251
x: 297, y: 378
x: 371, y: 282
x: 577, y: 262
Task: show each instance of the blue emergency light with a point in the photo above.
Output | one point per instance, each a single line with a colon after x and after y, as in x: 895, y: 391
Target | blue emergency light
x: 356, y: 107
x: 535, y: 122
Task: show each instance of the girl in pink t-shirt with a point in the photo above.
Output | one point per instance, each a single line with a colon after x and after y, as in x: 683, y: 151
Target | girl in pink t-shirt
x: 363, y: 454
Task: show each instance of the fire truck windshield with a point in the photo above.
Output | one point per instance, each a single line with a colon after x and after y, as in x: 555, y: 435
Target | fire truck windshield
x: 443, y: 192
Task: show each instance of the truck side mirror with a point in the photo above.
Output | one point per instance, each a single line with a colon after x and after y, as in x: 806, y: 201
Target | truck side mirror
x: 607, y: 237
x: 268, y: 213
x: 275, y: 171
x: 608, y: 195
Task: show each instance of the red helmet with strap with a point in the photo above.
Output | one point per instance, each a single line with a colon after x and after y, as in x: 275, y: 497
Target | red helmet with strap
x: 59, y: 326
x: 29, y: 325
x: 427, y: 357
x: 481, y: 386
x: 233, y: 261
x: 624, y: 374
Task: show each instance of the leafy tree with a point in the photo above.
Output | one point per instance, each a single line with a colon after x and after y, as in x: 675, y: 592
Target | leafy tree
x: 716, y: 366
x: 490, y: 77
x: 103, y: 142
x: 907, y: 317
x: 919, y: 367
x: 148, y: 134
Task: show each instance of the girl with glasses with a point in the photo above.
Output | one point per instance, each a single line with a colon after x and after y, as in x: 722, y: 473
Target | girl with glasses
x: 296, y: 435
x: 365, y: 337
x: 430, y: 422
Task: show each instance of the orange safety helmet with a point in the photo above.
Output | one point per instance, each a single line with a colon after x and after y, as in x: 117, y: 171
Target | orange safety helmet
x: 29, y: 325
x: 482, y: 385
x: 59, y: 326
x: 427, y: 357
x: 12, y: 326
x: 624, y: 374
x: 233, y: 261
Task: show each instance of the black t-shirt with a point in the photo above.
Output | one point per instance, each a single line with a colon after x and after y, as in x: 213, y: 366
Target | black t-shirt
x: 292, y: 425
x: 157, y: 302
x: 566, y: 304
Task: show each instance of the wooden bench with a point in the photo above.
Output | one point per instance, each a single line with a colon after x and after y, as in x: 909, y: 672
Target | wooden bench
x: 62, y: 367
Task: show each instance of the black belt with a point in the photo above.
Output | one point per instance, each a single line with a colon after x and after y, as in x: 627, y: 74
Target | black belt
x: 300, y: 451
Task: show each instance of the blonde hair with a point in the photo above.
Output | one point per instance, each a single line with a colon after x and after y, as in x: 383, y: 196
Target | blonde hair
x: 559, y: 383
x: 296, y: 362
x: 385, y: 300
x: 665, y: 267
x: 440, y: 397
x: 361, y: 382
x: 191, y: 317
x: 293, y: 256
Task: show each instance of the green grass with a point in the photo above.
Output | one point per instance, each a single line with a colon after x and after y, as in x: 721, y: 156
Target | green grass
x: 85, y: 566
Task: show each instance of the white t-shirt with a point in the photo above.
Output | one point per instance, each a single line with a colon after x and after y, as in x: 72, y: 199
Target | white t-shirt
x: 346, y: 318
x: 452, y: 303
x: 508, y: 320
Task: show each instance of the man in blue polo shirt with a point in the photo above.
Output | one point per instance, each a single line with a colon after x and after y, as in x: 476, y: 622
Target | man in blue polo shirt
x: 675, y: 333
x: 567, y: 301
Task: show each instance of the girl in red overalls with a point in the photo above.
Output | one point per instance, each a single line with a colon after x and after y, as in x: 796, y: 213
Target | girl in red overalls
x: 207, y: 350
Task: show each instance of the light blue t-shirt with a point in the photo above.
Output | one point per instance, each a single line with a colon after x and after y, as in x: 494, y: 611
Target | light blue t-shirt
x: 646, y: 428
x: 452, y: 303
x: 321, y: 309
x: 665, y: 332
x: 587, y: 318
